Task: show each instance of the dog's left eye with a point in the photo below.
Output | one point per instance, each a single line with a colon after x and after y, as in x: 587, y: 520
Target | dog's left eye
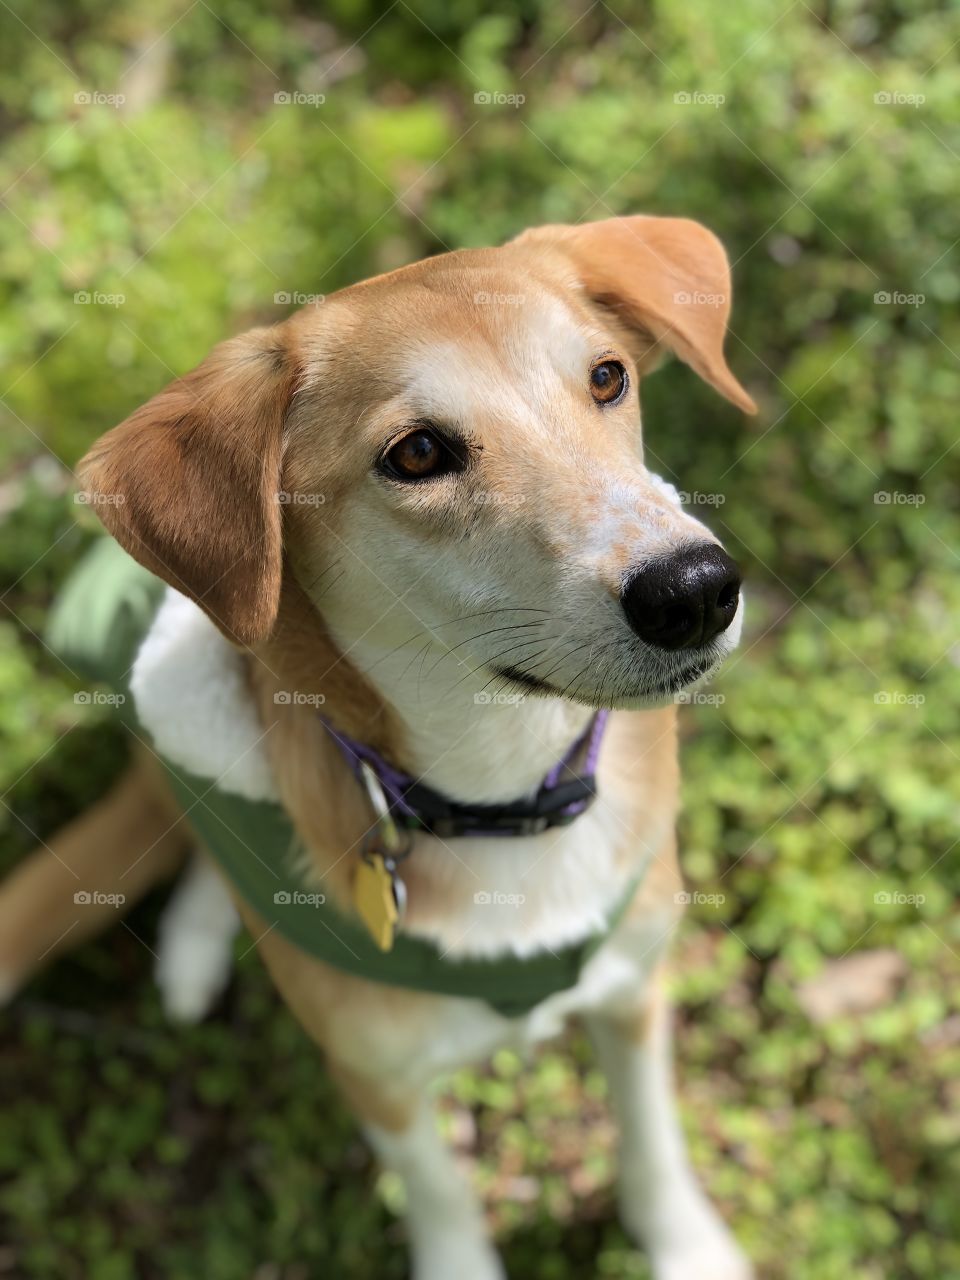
x: 421, y: 455
x: 608, y: 381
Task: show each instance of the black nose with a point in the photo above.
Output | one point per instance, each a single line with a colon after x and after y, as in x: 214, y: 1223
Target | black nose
x: 684, y: 599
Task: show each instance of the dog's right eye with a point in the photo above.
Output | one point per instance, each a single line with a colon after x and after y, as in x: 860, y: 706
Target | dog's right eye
x: 421, y: 455
x: 608, y: 381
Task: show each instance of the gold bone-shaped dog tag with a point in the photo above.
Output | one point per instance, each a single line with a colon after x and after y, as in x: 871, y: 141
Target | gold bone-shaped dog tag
x: 375, y: 897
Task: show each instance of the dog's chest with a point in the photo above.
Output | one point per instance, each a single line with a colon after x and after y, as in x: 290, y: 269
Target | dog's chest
x: 487, y: 896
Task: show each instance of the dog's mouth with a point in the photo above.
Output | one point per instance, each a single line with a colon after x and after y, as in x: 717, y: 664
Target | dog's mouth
x: 667, y: 688
x: 516, y: 676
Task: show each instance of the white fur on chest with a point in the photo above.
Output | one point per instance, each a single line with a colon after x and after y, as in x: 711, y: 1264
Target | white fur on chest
x: 516, y: 895
x: 521, y: 895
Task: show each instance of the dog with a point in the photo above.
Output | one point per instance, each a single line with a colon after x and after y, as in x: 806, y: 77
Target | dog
x: 409, y: 533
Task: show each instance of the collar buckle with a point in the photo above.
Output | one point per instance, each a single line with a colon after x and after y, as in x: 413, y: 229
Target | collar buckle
x: 492, y: 824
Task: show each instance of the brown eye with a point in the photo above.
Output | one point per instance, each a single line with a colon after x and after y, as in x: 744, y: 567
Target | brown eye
x: 608, y: 381
x: 421, y: 455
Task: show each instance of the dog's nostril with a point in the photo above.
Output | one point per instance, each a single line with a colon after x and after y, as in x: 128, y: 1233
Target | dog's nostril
x: 729, y: 595
x: 684, y: 599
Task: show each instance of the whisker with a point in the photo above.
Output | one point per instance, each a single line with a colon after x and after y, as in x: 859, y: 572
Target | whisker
x: 486, y: 613
x: 396, y: 649
x: 420, y: 651
x: 322, y: 574
x: 564, y: 692
x: 545, y: 676
x: 516, y: 626
x: 499, y: 675
x: 494, y: 658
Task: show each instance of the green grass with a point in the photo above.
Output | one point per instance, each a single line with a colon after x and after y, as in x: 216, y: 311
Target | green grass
x: 128, y: 1149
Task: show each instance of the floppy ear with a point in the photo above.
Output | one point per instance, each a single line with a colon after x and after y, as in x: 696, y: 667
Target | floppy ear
x: 188, y: 483
x: 668, y: 279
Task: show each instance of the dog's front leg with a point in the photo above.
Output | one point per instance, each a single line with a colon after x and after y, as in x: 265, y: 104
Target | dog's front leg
x: 661, y: 1204
x: 448, y: 1236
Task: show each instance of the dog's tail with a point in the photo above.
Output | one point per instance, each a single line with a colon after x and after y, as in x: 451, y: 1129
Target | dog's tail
x: 90, y: 872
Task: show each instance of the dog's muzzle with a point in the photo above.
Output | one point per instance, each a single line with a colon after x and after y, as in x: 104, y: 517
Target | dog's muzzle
x: 685, y: 599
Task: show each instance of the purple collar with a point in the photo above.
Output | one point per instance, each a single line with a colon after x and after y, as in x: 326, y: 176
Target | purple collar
x: 567, y: 791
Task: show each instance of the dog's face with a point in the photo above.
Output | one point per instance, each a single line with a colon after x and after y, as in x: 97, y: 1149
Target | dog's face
x: 451, y: 454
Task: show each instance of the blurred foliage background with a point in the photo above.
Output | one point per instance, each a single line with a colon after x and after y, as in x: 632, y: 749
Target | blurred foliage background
x: 819, y: 1036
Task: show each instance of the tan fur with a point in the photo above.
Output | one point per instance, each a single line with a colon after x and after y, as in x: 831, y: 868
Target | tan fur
x: 123, y: 845
x: 200, y: 482
x: 677, y: 290
x: 317, y: 788
x: 209, y: 444
x: 340, y: 1012
x: 220, y: 429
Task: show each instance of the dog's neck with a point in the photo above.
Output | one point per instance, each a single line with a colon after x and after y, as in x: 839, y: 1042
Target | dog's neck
x: 462, y: 739
x: 426, y: 712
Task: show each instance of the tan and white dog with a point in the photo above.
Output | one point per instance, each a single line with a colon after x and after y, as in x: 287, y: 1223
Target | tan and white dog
x: 466, y: 509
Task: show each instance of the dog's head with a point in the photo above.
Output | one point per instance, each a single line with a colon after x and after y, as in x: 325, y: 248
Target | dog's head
x: 451, y: 454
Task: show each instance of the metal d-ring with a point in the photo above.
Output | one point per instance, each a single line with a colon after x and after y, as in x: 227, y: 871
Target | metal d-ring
x: 395, y: 844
